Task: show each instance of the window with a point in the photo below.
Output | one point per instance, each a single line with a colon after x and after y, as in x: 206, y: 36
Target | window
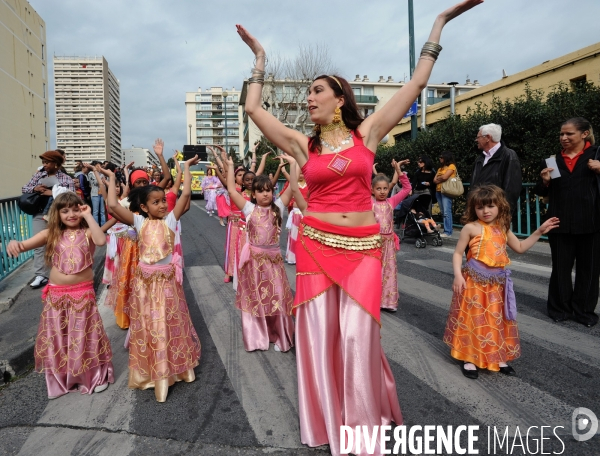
x: 369, y: 90
x: 431, y: 93
x: 43, y: 54
x: 43, y: 89
x: 45, y: 110
x: 204, y: 132
x: 204, y: 107
x: 356, y: 91
x: 198, y: 97
x: 579, y: 82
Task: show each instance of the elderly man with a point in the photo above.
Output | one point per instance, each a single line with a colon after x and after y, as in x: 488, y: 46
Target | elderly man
x: 497, y: 165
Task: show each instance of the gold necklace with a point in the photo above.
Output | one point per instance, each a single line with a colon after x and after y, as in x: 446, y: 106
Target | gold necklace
x: 330, y: 135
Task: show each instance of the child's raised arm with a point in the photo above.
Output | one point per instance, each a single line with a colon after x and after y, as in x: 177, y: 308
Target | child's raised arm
x: 108, y: 225
x: 263, y: 161
x: 293, y: 180
x: 14, y: 248
x: 237, y: 199
x: 524, y: 245
x: 186, y: 194
x: 178, y: 178
x: 406, y: 187
x: 122, y: 214
x: 98, y: 236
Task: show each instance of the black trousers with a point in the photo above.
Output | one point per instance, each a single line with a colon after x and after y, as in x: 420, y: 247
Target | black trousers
x: 578, y: 302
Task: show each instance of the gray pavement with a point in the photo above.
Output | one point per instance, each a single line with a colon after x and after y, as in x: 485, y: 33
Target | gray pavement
x: 246, y: 403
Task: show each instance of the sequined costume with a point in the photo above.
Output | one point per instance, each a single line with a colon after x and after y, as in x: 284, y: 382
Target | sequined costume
x: 477, y: 329
x: 384, y: 214
x: 72, y: 348
x: 343, y: 375
x: 263, y: 292
x: 236, y: 238
x: 163, y: 345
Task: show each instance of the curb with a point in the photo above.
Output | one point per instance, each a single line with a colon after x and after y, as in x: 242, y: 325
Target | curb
x: 12, y: 285
x: 19, y: 360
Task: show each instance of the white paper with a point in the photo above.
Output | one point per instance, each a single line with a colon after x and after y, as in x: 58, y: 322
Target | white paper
x: 551, y: 163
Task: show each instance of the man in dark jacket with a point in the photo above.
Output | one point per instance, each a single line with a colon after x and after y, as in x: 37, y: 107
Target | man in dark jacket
x: 497, y: 165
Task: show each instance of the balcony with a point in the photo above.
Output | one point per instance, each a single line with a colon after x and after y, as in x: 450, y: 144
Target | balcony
x: 222, y: 116
x: 366, y: 99
x: 434, y: 100
x: 246, y: 131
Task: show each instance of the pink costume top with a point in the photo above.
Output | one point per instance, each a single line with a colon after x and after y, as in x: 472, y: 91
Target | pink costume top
x: 155, y: 238
x: 74, y: 252
x: 235, y: 211
x: 340, y: 182
x: 262, y: 231
x: 384, y: 210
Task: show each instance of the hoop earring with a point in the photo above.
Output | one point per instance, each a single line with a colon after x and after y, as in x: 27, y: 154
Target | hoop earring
x: 337, y: 115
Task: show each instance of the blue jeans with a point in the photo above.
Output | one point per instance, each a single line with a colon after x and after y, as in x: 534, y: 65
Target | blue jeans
x: 98, y: 204
x: 446, y: 208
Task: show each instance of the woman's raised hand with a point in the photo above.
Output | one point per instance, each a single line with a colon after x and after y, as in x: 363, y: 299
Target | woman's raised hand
x: 458, y: 9
x: 158, y: 146
x: 252, y: 42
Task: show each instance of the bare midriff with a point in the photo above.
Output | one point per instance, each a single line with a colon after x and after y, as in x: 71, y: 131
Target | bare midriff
x: 345, y: 218
x: 58, y: 278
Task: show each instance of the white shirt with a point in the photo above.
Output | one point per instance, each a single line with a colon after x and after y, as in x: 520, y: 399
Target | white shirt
x: 490, y: 153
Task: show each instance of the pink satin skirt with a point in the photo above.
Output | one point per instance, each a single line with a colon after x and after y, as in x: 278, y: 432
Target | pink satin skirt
x: 343, y: 375
x: 60, y: 384
x: 259, y: 331
x: 389, y: 291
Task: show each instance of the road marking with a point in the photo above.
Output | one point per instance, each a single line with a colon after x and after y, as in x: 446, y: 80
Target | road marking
x: 265, y: 382
x: 554, y: 337
x: 111, y: 409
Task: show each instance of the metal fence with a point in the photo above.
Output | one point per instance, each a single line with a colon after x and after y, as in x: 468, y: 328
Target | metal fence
x: 16, y: 225
x: 527, y: 219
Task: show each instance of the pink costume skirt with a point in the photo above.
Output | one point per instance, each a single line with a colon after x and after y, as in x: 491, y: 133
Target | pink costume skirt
x: 223, y: 208
x: 236, y: 238
x: 293, y: 223
x: 163, y: 345
x: 265, y: 298
x: 71, y: 347
x: 389, y: 292
x: 343, y: 375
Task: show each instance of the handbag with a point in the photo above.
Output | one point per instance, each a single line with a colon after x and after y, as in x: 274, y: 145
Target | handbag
x: 31, y: 203
x: 453, y: 187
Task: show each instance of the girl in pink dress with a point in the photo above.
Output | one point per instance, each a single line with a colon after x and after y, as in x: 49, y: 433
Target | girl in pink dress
x: 164, y: 347
x: 263, y: 292
x: 210, y: 184
x: 71, y: 348
x: 383, y: 207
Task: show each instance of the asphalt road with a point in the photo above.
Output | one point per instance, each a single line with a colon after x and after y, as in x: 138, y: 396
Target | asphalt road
x: 246, y: 403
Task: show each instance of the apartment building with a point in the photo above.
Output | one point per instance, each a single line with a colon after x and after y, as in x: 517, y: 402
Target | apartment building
x: 212, y: 117
x: 24, y: 115
x: 286, y: 100
x: 88, y: 112
x: 140, y: 156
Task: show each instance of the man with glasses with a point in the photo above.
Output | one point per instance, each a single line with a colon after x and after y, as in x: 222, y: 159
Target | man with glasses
x: 497, y: 165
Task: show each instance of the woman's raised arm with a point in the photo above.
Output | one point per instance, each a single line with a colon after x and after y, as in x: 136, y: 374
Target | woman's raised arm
x: 291, y: 141
x: 381, y: 122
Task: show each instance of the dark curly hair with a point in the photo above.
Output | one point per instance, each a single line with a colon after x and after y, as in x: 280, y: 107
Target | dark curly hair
x: 139, y: 196
x: 350, y: 114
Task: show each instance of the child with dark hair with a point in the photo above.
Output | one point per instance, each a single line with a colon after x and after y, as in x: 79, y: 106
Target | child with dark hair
x: 263, y: 293
x: 166, y: 347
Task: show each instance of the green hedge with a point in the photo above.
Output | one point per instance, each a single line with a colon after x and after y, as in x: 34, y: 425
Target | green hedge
x: 530, y: 125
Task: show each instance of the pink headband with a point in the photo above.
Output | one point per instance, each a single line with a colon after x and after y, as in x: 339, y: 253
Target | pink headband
x: 139, y: 174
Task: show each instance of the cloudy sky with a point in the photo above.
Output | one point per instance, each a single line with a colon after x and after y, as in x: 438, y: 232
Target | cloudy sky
x: 161, y: 49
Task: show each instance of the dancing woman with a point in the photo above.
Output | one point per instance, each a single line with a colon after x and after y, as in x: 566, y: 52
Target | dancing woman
x: 210, y: 184
x: 343, y: 376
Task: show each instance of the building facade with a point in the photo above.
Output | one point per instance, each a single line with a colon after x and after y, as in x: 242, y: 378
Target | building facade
x: 24, y: 112
x: 574, y: 68
x: 212, y: 117
x: 139, y: 156
x: 88, y: 112
x: 286, y: 100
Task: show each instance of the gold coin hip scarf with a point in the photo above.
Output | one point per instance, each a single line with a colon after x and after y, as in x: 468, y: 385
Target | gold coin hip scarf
x: 343, y: 242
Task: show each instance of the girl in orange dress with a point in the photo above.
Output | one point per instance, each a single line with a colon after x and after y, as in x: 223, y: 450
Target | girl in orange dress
x: 481, y: 329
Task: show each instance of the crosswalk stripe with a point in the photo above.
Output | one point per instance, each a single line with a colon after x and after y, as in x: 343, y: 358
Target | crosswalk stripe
x: 532, y: 289
x: 258, y: 378
x: 554, y: 337
x: 110, y: 410
x: 491, y: 399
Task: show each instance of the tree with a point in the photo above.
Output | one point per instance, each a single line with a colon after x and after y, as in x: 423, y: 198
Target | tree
x: 288, y: 80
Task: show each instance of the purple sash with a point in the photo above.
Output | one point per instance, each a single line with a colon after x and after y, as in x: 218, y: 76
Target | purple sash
x: 482, y: 273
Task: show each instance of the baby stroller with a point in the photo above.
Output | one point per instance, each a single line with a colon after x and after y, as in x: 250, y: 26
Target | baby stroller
x: 409, y: 225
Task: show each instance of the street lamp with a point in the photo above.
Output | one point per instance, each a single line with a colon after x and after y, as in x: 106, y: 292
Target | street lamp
x: 190, y: 142
x: 225, y: 108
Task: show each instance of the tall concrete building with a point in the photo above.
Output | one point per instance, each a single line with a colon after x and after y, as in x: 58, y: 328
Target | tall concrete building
x: 24, y: 121
x: 88, y: 112
x: 212, y: 117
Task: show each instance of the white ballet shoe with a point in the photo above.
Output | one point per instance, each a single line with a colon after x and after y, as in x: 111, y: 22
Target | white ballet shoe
x: 100, y: 388
x: 276, y: 348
